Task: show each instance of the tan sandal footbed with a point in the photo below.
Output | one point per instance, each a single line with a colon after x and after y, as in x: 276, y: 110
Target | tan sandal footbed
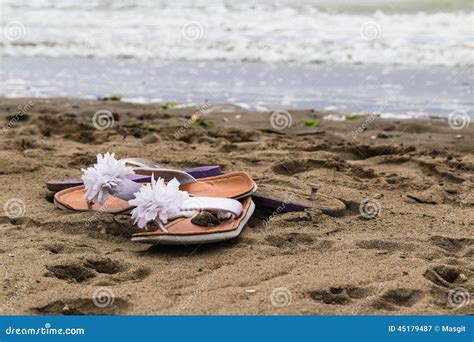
x: 184, y: 231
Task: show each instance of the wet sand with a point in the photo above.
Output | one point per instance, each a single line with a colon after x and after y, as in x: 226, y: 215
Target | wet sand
x: 414, y: 257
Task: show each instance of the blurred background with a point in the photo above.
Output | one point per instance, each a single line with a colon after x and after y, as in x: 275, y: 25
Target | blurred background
x: 396, y: 58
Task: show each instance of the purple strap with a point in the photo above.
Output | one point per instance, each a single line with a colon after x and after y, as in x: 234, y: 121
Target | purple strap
x: 196, y: 172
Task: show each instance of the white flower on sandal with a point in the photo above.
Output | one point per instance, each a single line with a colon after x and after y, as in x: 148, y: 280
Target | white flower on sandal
x: 158, y: 202
x: 104, y: 177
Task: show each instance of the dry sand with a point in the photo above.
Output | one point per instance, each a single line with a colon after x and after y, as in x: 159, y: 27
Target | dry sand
x: 404, y: 261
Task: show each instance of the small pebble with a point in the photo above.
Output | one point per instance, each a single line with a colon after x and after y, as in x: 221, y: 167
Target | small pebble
x: 459, y: 136
x: 206, y: 219
x: 150, y: 139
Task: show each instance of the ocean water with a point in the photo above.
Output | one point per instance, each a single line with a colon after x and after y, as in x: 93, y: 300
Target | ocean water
x: 260, y: 53
x: 268, y: 31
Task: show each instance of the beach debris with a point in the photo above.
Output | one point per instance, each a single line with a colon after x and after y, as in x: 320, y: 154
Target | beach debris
x: 311, y: 123
x: 168, y: 105
x: 334, y: 117
x: 16, y: 117
x: 203, y: 122
x: 429, y: 196
x: 110, y: 98
x: 11, y: 255
x: 151, y: 139
x: 459, y: 136
x: 390, y: 128
x: 139, y: 125
x: 384, y: 136
x: 355, y: 117
x: 319, y: 132
x: 250, y: 291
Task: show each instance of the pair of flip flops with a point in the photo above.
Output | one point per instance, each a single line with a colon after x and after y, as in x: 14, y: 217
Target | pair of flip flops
x: 173, y: 206
x: 206, y: 220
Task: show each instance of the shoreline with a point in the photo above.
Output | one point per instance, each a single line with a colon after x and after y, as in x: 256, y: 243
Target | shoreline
x: 328, y: 113
x: 257, y: 86
x: 404, y: 261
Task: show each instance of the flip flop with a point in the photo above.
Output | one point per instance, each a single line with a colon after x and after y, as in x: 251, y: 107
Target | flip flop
x: 196, y: 172
x: 284, y: 200
x: 230, y: 185
x: 185, y: 231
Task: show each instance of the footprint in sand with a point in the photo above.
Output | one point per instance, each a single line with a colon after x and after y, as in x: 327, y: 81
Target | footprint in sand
x: 396, y: 298
x: 71, y: 271
x: 340, y: 295
x: 82, y: 306
x: 451, y: 245
x: 110, y: 270
x: 385, y: 245
x: 445, y: 276
x: 293, y: 240
x: 292, y: 167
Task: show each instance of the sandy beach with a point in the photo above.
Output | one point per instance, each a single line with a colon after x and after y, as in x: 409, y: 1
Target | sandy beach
x: 407, y: 259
